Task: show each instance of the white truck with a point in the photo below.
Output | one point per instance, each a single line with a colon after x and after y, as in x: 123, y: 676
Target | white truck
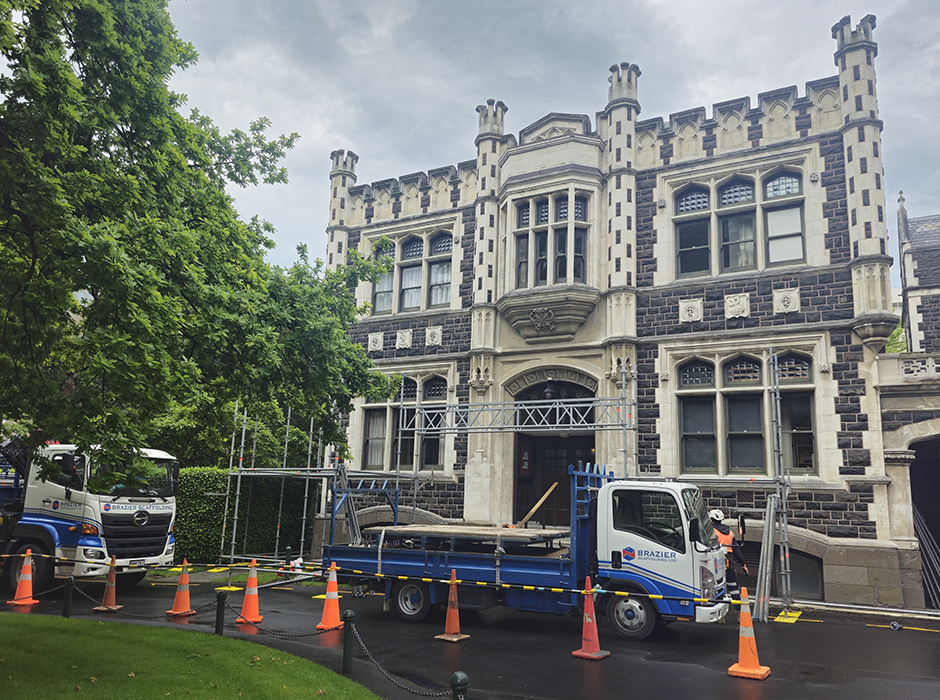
x: 651, y: 539
x: 132, y: 519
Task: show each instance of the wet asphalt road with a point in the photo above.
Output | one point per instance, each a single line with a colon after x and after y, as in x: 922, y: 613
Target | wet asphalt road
x: 526, y: 655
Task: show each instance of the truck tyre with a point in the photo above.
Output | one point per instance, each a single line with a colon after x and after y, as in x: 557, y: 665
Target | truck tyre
x: 125, y: 581
x: 631, y: 617
x: 411, y: 600
x: 42, y: 567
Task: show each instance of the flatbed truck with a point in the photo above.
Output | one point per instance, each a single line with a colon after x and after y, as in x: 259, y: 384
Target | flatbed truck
x: 650, y: 539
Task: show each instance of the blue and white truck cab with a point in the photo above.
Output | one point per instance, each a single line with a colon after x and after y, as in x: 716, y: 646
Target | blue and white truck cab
x: 131, y: 519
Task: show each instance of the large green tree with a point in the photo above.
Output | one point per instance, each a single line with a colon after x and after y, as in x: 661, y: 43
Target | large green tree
x: 135, y: 304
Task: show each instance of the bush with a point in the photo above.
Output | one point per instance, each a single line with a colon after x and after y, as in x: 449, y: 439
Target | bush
x: 200, y: 510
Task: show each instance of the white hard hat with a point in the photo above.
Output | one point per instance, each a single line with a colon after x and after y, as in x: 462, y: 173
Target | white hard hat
x: 716, y: 514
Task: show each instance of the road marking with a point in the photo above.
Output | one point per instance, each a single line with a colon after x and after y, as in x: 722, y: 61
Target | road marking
x: 788, y: 616
x: 904, y: 627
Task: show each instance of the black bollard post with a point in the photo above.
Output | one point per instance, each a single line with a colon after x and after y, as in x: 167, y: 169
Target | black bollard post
x: 287, y: 555
x: 67, y: 603
x: 349, y: 619
x: 220, y: 597
x: 459, y: 684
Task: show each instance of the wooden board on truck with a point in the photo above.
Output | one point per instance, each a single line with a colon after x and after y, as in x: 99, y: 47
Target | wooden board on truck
x: 480, y: 533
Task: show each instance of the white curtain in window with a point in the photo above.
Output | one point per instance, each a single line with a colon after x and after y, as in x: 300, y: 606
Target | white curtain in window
x: 375, y: 438
x: 440, y: 284
x: 383, y: 294
x: 410, y: 287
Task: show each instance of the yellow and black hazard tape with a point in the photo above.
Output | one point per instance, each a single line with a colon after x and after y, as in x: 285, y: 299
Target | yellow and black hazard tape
x: 544, y: 589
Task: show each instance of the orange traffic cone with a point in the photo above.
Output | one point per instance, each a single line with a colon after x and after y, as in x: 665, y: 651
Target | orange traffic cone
x: 331, y: 605
x: 109, y: 602
x: 590, y: 644
x: 181, y: 601
x: 250, y: 612
x: 24, y: 589
x: 748, y: 665
x: 452, y: 623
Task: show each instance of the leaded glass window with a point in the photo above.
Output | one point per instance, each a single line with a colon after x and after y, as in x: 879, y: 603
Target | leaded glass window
x: 697, y: 374
x: 435, y: 388
x: 408, y: 390
x: 541, y: 212
x: 794, y: 368
x: 580, y: 209
x: 413, y: 248
x: 742, y: 371
x: 782, y: 185
x: 444, y: 243
x: 736, y: 193
x: 561, y: 209
x: 693, y: 200
x: 522, y: 215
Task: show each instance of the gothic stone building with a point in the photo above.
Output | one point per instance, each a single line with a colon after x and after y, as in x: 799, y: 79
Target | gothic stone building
x: 583, y: 266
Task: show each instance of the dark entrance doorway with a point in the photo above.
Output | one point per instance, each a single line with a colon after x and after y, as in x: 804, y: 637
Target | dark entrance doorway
x: 541, y: 460
x: 925, y: 494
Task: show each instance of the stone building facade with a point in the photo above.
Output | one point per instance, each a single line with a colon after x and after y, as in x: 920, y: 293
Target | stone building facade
x: 664, y: 264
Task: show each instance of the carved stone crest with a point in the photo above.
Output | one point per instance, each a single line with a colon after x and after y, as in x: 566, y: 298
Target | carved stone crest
x: 376, y: 341
x: 543, y: 320
x: 403, y: 339
x: 737, y: 305
x: 690, y: 310
x: 786, y: 301
x: 434, y: 335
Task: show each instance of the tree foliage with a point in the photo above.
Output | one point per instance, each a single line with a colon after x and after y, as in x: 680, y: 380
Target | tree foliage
x: 135, y: 305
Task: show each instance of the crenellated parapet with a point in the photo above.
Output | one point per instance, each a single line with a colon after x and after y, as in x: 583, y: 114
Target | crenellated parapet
x: 779, y: 115
x: 343, y: 162
x: 860, y: 37
x: 438, y: 189
x: 492, y: 117
x: 623, y: 83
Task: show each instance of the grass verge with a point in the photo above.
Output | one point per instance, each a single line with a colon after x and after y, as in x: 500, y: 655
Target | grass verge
x: 47, y: 657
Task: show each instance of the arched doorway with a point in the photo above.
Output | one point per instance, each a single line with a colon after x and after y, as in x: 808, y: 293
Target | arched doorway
x: 543, y: 453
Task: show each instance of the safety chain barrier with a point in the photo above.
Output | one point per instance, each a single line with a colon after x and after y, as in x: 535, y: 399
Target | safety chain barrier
x: 422, y: 693
x: 284, y: 635
x: 36, y: 595
x: 145, y: 617
x: 545, y: 589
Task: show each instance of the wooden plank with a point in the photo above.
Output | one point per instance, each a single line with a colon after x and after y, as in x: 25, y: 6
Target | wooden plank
x: 468, y: 532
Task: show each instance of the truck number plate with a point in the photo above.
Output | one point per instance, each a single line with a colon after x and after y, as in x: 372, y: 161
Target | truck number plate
x: 137, y: 562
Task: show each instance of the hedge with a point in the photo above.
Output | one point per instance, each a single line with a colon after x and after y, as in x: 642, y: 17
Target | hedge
x: 200, y: 507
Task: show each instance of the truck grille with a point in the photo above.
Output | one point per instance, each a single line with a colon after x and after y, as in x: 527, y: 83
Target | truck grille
x: 127, y: 540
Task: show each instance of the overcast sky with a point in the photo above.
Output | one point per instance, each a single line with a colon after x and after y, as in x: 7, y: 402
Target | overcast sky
x: 398, y: 81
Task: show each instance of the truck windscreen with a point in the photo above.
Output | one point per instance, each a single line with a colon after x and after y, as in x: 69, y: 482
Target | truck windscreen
x: 696, y: 509
x: 147, y: 477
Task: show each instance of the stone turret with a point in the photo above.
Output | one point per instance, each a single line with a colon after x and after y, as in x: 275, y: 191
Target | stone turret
x: 861, y: 139
x: 623, y: 83
x: 342, y: 177
x: 492, y: 117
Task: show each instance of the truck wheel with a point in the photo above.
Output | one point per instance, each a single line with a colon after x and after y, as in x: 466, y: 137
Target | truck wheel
x: 631, y: 618
x: 411, y: 601
x: 42, y: 568
x: 125, y: 581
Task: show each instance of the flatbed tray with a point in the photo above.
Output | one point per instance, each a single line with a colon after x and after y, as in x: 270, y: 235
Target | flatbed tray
x: 480, y: 533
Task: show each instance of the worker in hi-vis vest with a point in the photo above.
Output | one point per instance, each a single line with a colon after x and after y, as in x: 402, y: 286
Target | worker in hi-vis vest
x: 732, y: 552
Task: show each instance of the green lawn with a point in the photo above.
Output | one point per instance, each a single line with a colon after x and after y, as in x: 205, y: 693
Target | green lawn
x: 46, y: 657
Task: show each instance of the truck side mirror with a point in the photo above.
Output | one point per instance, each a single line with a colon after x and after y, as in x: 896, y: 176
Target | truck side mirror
x: 694, y: 534
x: 616, y: 559
x: 742, y: 527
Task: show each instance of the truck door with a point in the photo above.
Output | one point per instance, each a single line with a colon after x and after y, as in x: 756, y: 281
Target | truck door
x: 647, y: 543
x: 60, y: 502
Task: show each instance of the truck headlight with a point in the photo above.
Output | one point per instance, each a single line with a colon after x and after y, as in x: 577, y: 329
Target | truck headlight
x: 707, y: 589
x: 169, y: 549
x: 93, y: 554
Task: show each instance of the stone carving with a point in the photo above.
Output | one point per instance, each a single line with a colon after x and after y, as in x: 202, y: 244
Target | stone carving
x: 786, y: 301
x: 539, y: 376
x: 376, y: 342
x: 664, y: 376
x: 543, y: 320
x: 825, y: 368
x: 403, y: 339
x: 814, y: 177
x: 552, y: 133
x: 690, y: 310
x: 737, y: 305
x: 434, y: 335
